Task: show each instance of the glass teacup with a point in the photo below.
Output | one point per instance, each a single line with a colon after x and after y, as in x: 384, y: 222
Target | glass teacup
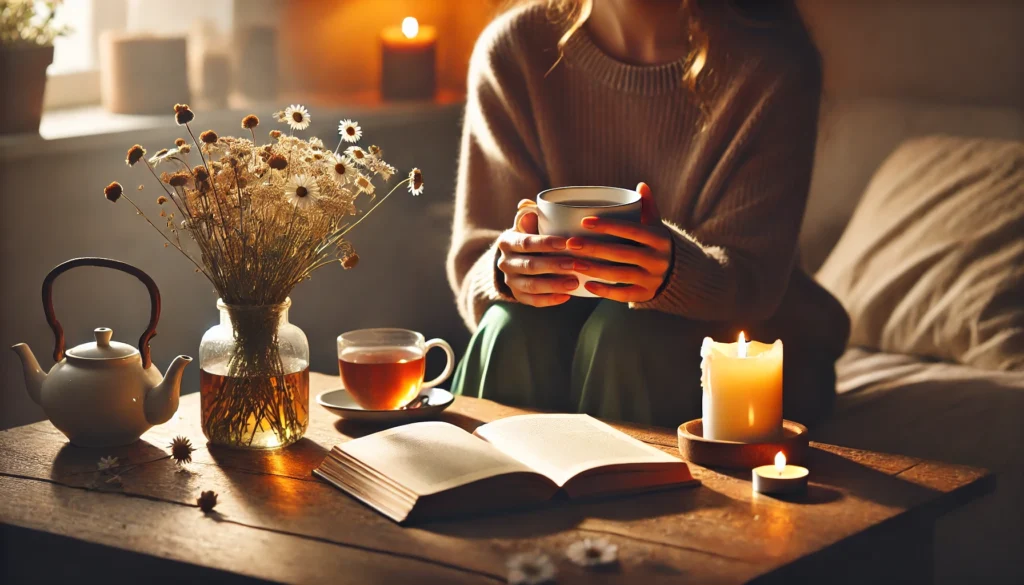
x: 383, y: 369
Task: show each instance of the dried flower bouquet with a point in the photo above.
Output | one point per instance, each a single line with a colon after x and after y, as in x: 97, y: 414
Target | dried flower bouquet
x: 256, y: 220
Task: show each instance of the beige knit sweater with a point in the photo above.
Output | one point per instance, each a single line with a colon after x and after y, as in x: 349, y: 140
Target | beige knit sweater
x: 730, y: 178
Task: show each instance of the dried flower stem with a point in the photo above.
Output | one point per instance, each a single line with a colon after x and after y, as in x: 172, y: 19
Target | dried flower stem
x: 382, y: 199
x: 164, y: 235
x: 254, y: 241
x: 213, y: 184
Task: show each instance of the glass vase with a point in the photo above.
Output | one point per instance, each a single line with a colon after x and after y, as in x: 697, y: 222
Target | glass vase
x: 254, y: 379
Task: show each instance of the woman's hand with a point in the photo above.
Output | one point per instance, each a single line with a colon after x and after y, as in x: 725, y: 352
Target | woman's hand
x: 641, y: 269
x: 535, y: 271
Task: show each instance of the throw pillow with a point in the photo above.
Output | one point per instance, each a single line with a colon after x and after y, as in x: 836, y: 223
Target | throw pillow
x: 932, y: 262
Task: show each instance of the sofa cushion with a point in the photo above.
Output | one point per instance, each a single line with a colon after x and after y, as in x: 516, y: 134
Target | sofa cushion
x: 945, y: 412
x: 932, y: 262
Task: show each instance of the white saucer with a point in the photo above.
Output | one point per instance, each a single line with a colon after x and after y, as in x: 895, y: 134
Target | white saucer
x: 341, y: 403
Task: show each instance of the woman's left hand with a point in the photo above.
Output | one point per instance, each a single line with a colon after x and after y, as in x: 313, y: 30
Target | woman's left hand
x: 639, y: 269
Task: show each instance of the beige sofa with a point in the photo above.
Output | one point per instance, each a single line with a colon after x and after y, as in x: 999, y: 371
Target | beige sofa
x: 895, y: 71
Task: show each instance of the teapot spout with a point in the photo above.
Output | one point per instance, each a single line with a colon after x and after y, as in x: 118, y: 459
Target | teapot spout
x: 34, y: 375
x: 162, y: 399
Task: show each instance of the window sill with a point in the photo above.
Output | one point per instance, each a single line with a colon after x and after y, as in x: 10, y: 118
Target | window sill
x: 91, y: 127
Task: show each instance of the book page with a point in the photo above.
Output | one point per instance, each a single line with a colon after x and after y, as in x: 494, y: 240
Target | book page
x: 561, y: 446
x: 430, y: 457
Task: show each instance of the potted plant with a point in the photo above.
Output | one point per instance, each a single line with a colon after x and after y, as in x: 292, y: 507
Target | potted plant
x: 27, y: 30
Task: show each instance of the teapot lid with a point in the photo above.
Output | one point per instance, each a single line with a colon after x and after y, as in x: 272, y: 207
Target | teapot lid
x: 103, y: 348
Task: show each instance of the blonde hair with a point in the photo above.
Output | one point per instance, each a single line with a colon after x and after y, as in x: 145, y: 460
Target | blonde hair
x: 576, y: 13
x: 749, y: 13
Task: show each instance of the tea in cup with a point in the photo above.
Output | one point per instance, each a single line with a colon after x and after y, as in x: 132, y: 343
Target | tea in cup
x: 560, y: 212
x: 383, y: 369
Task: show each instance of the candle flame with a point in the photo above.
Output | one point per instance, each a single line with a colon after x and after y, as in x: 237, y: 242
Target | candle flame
x: 410, y: 27
x: 741, y: 348
x: 780, y: 461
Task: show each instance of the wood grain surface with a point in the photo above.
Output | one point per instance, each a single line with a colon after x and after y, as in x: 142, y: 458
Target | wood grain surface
x: 275, y: 521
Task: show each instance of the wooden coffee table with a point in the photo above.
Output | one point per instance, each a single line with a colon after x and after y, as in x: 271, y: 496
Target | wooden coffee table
x: 866, y: 515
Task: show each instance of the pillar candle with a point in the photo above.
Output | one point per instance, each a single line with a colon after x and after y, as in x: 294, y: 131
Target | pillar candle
x: 216, y: 76
x: 256, y: 65
x: 142, y: 74
x: 408, y: 61
x: 742, y: 385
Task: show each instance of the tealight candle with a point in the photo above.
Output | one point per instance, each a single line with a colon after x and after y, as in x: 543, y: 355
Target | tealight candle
x: 742, y: 385
x: 407, y: 61
x: 780, y: 478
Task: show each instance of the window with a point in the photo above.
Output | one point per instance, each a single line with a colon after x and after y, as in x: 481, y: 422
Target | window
x: 75, y: 51
x: 74, y: 78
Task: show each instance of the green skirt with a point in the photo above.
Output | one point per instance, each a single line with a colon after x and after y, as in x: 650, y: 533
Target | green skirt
x: 602, y: 358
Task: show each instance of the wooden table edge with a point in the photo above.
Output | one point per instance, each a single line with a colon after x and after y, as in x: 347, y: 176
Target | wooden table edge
x: 981, y: 484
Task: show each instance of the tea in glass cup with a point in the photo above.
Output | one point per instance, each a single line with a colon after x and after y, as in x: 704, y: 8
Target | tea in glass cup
x: 383, y: 369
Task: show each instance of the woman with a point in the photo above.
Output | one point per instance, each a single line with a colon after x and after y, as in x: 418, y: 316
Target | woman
x: 715, y: 108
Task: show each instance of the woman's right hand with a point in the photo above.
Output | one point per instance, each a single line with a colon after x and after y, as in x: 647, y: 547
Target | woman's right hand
x: 534, y: 270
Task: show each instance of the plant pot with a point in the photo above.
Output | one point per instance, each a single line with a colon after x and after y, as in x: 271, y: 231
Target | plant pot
x: 22, y: 83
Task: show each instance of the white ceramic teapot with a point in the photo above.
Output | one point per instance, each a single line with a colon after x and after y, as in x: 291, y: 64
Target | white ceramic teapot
x: 104, y: 393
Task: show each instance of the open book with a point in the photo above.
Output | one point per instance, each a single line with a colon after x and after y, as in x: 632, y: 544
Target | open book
x: 433, y: 469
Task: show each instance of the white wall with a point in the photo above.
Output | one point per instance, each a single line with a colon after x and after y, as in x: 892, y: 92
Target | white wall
x: 896, y: 69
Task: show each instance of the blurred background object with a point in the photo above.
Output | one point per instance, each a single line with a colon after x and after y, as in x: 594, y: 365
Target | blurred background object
x: 142, y: 73
x: 27, y: 32
x: 408, y: 69
x: 256, y: 62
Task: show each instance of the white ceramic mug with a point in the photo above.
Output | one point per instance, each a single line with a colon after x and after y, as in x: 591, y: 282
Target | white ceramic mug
x: 561, y: 210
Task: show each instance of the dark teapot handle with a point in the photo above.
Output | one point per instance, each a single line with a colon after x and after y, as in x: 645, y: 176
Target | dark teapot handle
x: 58, y: 331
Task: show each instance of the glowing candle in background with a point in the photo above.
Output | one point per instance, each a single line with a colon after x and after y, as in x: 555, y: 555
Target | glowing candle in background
x: 410, y: 27
x: 408, y: 55
x: 742, y: 385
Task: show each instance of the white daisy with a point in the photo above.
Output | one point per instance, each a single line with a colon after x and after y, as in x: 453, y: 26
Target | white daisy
x: 363, y: 184
x: 358, y: 155
x: 280, y: 116
x: 163, y: 155
x: 530, y: 569
x: 301, y: 191
x: 215, y: 151
x: 350, y: 131
x: 344, y: 171
x: 316, y: 144
x: 592, y: 552
x: 297, y: 117
x: 381, y: 168
x: 415, y: 182
x: 106, y: 463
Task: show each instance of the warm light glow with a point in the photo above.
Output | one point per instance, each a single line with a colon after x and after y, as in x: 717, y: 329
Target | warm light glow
x: 741, y: 348
x: 410, y: 27
x: 780, y: 461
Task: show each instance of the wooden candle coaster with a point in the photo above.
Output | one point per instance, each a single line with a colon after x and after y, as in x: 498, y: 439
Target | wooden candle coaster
x: 733, y: 455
